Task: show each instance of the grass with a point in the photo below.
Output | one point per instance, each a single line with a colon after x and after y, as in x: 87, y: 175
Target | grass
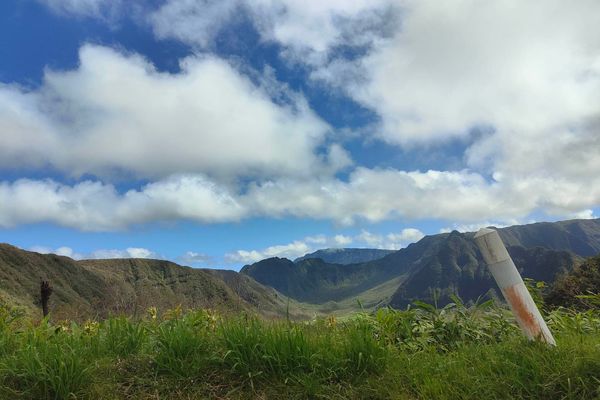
x: 456, y: 352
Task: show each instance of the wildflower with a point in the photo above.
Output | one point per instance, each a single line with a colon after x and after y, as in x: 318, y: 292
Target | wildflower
x: 91, y: 327
x: 331, y: 321
x: 152, y: 312
x: 174, y: 313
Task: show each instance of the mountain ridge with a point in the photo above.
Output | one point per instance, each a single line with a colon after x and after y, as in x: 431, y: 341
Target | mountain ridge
x: 96, y: 288
x: 441, y: 264
x: 346, y: 255
x: 448, y: 263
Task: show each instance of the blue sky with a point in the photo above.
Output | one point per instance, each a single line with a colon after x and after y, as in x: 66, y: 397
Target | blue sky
x: 219, y: 133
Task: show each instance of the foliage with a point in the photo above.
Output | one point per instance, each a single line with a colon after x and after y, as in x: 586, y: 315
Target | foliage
x: 453, y: 352
x: 579, y: 288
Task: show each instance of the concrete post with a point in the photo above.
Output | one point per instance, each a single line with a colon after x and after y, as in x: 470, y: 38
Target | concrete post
x: 511, y: 284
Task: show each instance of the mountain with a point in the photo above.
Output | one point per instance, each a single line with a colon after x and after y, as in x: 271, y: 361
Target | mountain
x: 453, y: 265
x: 90, y: 288
x: 441, y: 264
x: 579, y: 236
x: 346, y: 256
x: 315, y: 281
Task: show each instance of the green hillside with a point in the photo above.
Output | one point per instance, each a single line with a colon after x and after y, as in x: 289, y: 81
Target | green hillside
x: 444, y: 264
x: 579, y: 236
x: 101, y: 287
x: 454, y: 266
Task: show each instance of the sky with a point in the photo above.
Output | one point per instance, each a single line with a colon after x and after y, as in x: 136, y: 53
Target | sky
x: 218, y: 133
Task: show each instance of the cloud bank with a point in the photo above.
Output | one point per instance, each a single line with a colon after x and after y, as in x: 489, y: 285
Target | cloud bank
x: 130, y: 252
x: 298, y: 248
x: 116, y: 115
x: 516, y: 83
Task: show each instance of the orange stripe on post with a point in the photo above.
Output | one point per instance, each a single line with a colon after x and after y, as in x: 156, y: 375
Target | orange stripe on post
x: 511, y: 284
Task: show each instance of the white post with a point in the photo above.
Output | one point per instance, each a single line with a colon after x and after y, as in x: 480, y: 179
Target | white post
x: 511, y: 284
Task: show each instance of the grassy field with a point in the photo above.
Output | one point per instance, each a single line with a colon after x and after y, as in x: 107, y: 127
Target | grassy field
x: 422, y: 353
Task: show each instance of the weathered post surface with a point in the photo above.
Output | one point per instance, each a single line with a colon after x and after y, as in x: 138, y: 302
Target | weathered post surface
x: 512, y: 286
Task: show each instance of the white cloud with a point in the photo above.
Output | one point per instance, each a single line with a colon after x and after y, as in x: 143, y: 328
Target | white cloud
x: 529, y: 72
x: 115, y: 114
x: 447, y: 68
x: 585, y: 214
x: 392, y: 241
x: 96, y: 206
x: 478, y: 225
x: 61, y: 251
x: 131, y: 252
x: 342, y: 240
x: 192, y: 21
x: 370, y: 195
x: 292, y: 250
x: 193, y: 257
x: 307, y: 29
x: 102, y: 9
x: 407, y: 235
x: 310, y: 244
x: 139, y: 252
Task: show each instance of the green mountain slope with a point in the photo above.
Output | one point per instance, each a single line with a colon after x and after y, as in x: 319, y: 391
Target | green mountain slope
x: 346, y: 256
x: 446, y: 263
x: 455, y: 266
x: 100, y: 287
x: 579, y: 236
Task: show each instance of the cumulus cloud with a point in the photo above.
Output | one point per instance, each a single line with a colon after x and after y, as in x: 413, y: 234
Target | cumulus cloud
x: 116, y: 114
x: 290, y: 250
x: 309, y: 244
x: 130, y: 252
x: 342, y: 240
x: 369, y: 195
x: 61, y: 251
x: 392, y: 241
x: 527, y: 74
x: 478, y: 225
x: 192, y: 21
x: 102, y: 9
x: 307, y: 30
x: 96, y: 206
x: 196, y: 258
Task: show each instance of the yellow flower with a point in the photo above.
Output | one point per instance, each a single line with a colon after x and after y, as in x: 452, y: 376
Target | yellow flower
x: 174, y: 313
x: 331, y: 321
x: 91, y: 327
x: 152, y: 312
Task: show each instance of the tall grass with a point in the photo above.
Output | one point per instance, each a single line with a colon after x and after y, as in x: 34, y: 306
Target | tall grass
x: 122, y: 337
x: 182, y: 345
x: 456, y: 352
x: 47, y: 363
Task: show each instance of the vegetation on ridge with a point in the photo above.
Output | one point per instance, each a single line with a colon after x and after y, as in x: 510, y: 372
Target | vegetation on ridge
x: 424, y: 352
x: 97, y: 288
